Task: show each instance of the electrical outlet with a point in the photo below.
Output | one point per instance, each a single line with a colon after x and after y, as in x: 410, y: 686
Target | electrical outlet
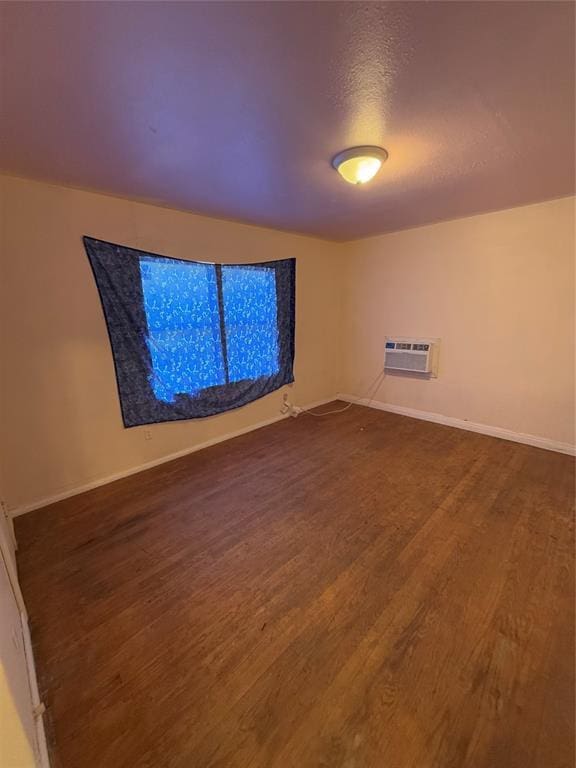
x: 147, y: 434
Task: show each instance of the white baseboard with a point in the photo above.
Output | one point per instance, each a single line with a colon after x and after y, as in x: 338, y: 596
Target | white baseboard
x: 438, y: 418
x: 451, y: 421
x: 66, y: 494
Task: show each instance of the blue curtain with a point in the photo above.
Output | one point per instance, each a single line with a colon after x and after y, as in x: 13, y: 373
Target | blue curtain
x: 191, y: 339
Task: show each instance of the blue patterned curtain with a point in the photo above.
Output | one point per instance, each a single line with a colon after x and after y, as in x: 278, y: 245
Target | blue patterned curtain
x: 191, y: 339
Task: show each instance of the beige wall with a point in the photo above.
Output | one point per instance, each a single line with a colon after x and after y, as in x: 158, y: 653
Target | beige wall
x: 498, y: 289
x: 22, y: 741
x: 15, y: 749
x: 17, y: 730
x: 58, y: 404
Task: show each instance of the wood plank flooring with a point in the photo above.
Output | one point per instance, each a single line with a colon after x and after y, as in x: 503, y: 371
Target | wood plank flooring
x: 359, y: 591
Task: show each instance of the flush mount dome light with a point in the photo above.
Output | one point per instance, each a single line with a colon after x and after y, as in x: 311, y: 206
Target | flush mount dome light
x: 359, y: 164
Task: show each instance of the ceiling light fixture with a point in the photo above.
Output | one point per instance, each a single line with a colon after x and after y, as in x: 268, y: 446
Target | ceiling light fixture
x: 359, y: 164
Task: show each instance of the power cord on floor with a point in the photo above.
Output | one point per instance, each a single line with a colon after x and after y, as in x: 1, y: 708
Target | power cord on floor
x: 372, y: 390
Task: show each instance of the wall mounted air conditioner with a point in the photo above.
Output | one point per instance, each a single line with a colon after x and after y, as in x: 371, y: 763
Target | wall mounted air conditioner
x: 406, y: 355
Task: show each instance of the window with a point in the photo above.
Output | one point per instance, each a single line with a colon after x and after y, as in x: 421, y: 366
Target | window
x: 191, y: 339
x: 183, y: 338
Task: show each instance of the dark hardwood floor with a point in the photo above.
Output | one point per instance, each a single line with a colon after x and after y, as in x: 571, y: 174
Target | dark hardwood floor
x: 359, y: 591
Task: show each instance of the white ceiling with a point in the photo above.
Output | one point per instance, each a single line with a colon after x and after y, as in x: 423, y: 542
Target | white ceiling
x: 235, y: 109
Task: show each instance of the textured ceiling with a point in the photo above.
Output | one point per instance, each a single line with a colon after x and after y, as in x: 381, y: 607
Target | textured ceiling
x: 235, y: 109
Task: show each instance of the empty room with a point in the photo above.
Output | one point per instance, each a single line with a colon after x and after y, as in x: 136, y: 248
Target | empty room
x: 287, y: 384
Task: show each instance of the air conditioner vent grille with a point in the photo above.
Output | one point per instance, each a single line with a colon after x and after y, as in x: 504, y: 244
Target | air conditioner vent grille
x: 404, y: 361
x: 409, y: 355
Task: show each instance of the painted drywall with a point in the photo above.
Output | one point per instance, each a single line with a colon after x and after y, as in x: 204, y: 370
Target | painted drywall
x: 236, y: 109
x: 22, y: 736
x: 58, y: 402
x: 498, y: 290
x: 17, y: 730
x: 16, y: 722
